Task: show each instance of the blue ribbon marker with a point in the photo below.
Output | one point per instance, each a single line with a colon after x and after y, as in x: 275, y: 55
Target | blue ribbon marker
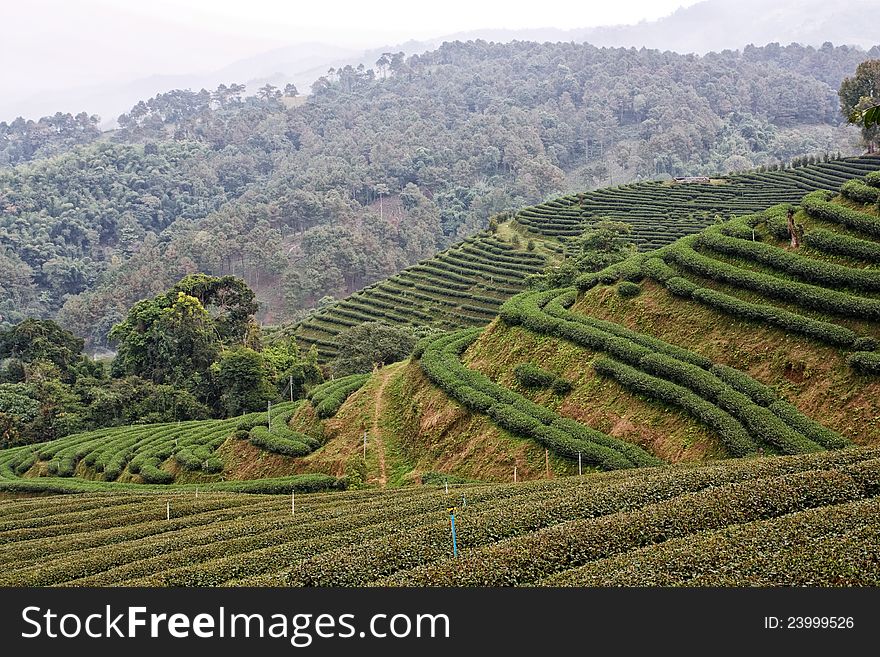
x: 452, y: 521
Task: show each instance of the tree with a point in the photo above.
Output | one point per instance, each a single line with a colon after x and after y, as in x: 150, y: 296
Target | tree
x: 168, y: 339
x: 291, y: 373
x: 859, y: 99
x: 228, y: 300
x: 290, y: 90
x: 602, y: 245
x: 383, y: 63
x: 36, y: 341
x: 18, y: 408
x: 243, y: 381
x: 363, y: 347
x: 269, y: 92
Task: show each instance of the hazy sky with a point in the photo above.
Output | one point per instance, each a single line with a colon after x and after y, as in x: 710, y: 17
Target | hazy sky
x: 49, y: 44
x: 400, y: 18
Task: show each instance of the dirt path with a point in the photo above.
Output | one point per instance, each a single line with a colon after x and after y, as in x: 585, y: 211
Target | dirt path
x: 375, y: 431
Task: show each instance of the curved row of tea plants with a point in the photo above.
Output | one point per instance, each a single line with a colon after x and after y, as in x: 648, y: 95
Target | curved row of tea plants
x: 465, y: 285
x: 742, y: 411
x: 745, y: 269
x: 329, y: 396
x: 462, y: 286
x: 660, y: 213
x: 148, y: 457
x: 440, y: 360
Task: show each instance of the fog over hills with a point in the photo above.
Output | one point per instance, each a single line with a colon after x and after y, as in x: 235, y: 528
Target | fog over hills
x: 712, y: 25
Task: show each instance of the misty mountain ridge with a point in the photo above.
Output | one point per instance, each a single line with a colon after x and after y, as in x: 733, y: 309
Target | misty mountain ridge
x: 713, y: 25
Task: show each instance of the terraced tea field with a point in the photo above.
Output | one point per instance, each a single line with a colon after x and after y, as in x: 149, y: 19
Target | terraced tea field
x: 824, y: 292
x: 465, y: 285
x: 732, y: 341
x: 607, y: 528
x: 660, y: 212
x: 462, y: 286
x: 155, y: 456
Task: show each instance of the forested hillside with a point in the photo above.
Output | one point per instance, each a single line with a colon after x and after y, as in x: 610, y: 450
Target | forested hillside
x: 377, y: 169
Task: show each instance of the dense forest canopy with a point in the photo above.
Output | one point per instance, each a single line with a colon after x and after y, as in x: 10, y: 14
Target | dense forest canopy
x: 377, y: 169
x: 22, y: 140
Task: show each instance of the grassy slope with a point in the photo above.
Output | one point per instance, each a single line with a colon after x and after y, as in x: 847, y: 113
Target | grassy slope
x: 414, y: 429
x: 802, y: 520
x: 599, y: 403
x: 812, y: 376
x: 421, y: 431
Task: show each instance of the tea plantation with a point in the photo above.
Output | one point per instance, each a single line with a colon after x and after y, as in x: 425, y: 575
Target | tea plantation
x: 709, y: 524
x: 720, y: 394
x: 465, y: 285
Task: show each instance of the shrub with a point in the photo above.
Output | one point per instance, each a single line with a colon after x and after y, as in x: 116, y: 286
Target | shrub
x: 586, y: 282
x: 273, y: 442
x: 308, y: 483
x: 734, y: 436
x: 674, y: 364
x: 776, y: 220
x: 188, y: 460
x: 742, y: 382
x: 866, y: 343
x: 784, y: 319
x: 865, y: 362
x: 556, y: 308
x: 532, y: 376
x: 440, y: 362
x: 369, y: 343
x: 25, y: 463
x: 328, y: 397
x: 681, y: 287
x: 213, y: 465
x: 807, y: 426
x: 630, y: 269
x: 561, y: 386
x: 657, y: 269
x: 761, y: 423
x: 808, y: 296
x: 627, y: 289
x: 151, y: 474
x: 842, y: 244
x: 812, y: 271
x: 856, y: 190
x: 248, y: 422
x: 817, y: 205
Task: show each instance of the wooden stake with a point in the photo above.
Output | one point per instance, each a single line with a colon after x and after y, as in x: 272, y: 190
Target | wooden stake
x: 514, y: 474
x: 292, y: 503
x: 579, y: 464
x: 167, y: 510
x: 547, y: 461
